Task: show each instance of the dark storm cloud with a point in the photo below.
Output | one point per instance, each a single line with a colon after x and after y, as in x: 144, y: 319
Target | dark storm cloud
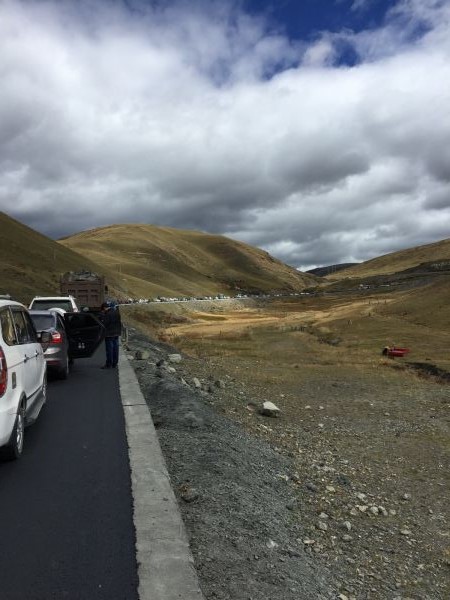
x: 439, y: 200
x: 207, y: 119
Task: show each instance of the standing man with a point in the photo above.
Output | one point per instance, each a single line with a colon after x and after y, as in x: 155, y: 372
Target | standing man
x: 110, y: 317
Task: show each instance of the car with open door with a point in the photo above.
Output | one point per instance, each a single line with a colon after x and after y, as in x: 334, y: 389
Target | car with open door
x: 85, y: 333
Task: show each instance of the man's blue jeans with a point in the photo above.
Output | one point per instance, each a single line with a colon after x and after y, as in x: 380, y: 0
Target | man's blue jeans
x: 112, y: 351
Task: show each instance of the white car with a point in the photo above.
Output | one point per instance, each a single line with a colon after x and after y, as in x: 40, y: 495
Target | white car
x: 23, y: 376
x: 66, y: 303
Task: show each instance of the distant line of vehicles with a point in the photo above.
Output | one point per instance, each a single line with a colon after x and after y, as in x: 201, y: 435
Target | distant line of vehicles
x: 204, y: 298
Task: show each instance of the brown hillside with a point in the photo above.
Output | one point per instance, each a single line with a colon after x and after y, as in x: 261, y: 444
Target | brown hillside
x: 32, y: 263
x: 427, y: 306
x: 154, y: 260
x: 396, y: 261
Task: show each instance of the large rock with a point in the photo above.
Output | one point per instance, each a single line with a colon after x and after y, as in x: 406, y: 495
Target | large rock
x: 142, y: 355
x: 175, y: 358
x: 269, y: 409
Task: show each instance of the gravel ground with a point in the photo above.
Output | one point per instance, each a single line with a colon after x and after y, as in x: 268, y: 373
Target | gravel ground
x: 322, y: 506
x: 236, y: 494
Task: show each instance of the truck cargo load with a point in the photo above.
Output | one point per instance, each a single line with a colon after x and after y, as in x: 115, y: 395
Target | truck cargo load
x: 87, y: 287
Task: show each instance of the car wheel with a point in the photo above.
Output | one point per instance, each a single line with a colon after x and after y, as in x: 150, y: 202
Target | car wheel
x: 15, y: 447
x: 64, y: 371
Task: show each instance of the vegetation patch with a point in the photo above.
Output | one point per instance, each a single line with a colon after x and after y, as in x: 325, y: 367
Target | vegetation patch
x: 428, y: 370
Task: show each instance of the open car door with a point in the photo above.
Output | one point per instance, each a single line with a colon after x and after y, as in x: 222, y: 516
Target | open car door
x: 85, y: 333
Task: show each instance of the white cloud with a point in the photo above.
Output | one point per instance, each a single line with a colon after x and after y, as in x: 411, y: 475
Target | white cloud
x: 207, y: 119
x: 320, y: 54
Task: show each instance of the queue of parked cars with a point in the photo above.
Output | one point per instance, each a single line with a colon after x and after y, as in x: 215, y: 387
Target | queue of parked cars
x: 50, y: 334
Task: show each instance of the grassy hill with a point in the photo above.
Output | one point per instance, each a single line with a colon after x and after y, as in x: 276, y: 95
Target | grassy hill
x: 328, y: 270
x: 427, y: 306
x: 397, y: 261
x: 32, y: 263
x: 152, y: 260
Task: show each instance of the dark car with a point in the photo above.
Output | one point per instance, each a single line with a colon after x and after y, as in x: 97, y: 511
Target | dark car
x: 56, y: 352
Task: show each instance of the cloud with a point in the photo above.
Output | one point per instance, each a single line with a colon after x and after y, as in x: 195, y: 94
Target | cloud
x: 320, y: 54
x: 358, y: 5
x: 197, y: 115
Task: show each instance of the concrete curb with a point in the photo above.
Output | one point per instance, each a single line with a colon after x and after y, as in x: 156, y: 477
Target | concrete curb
x: 165, y: 565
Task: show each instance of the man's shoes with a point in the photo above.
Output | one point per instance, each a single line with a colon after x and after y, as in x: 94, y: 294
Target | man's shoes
x: 106, y: 367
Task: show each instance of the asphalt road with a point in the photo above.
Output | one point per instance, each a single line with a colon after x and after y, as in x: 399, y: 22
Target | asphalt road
x: 66, y: 528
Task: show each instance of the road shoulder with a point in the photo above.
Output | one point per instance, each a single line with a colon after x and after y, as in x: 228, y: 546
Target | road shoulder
x: 165, y: 564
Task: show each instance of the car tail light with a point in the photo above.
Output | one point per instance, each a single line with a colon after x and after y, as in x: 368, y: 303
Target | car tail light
x: 56, y: 338
x: 3, y: 373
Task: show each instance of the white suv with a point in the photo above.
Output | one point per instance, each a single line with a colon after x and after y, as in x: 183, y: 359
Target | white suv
x: 67, y: 303
x: 23, y: 376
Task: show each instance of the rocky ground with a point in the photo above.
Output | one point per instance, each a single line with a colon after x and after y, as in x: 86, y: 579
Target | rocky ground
x: 317, y: 503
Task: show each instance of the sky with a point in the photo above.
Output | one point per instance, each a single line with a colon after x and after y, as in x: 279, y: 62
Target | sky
x: 318, y: 130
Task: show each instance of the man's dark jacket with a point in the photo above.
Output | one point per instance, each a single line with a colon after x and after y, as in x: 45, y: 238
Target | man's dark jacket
x: 112, y: 322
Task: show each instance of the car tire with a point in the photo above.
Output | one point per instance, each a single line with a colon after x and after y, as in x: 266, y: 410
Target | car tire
x: 63, y: 373
x: 14, y: 449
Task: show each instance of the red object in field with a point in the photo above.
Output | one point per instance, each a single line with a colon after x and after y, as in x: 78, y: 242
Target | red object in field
x: 397, y: 351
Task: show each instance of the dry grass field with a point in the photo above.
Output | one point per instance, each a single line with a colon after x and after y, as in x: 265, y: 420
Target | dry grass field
x: 353, y: 420
x: 350, y: 329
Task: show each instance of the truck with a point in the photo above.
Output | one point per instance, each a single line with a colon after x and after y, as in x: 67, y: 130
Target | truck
x: 87, y: 287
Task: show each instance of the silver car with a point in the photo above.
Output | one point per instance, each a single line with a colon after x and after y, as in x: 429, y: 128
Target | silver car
x: 56, y: 352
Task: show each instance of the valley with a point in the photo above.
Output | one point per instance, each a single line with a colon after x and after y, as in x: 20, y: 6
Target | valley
x: 362, y: 444
x: 367, y: 436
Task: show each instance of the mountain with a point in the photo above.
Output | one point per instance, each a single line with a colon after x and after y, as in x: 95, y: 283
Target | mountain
x: 324, y: 271
x: 428, y: 257
x: 32, y: 263
x: 151, y: 260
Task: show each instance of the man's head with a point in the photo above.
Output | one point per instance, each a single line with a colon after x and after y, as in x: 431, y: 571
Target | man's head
x: 104, y: 307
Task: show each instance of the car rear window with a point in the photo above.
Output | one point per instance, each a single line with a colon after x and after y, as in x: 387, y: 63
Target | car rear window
x: 46, y: 304
x: 42, y: 322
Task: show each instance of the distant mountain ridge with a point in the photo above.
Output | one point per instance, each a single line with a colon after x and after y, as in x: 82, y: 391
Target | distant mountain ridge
x: 396, y: 262
x: 145, y: 261
x: 153, y: 260
x: 324, y: 271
